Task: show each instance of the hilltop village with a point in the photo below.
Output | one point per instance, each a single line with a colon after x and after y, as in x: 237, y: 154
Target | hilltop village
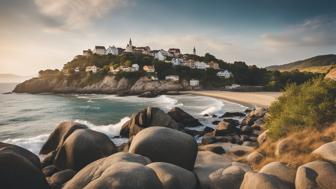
x: 130, y: 62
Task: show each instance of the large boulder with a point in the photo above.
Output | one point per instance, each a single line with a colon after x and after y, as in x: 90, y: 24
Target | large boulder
x: 254, y: 180
x: 281, y: 171
x: 254, y: 157
x: 120, y: 175
x: 162, y: 144
x: 223, y: 128
x: 183, y: 118
x: 262, y: 137
x: 174, y: 177
x: 72, y: 146
x: 58, y: 136
x: 327, y: 152
x: 316, y: 174
x: 57, y: 180
x: 227, y: 178
x: 283, y: 146
x: 100, y: 172
x: 82, y: 147
x: 254, y: 115
x: 20, y: 168
x: 147, y: 118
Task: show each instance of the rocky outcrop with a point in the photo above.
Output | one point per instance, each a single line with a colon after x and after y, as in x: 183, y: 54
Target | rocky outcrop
x: 73, y: 146
x: 327, y: 151
x: 183, y: 118
x: 281, y: 171
x: 253, y: 180
x: 227, y: 178
x: 147, y: 118
x: 331, y: 75
x: 174, y: 177
x: 127, y: 169
x: 108, y: 85
x: 316, y: 174
x: 161, y: 144
x: 20, y: 168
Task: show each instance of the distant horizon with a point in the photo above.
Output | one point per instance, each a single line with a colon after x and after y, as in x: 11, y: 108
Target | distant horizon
x: 258, y: 32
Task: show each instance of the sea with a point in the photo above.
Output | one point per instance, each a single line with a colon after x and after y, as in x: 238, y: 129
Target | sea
x: 27, y: 120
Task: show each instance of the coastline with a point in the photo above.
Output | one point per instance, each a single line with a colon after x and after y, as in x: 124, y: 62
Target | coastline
x: 249, y: 99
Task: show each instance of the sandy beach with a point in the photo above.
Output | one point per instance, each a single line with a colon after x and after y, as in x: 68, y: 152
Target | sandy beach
x: 250, y: 99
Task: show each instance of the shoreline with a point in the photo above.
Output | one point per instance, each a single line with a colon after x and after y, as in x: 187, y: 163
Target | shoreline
x: 249, y: 99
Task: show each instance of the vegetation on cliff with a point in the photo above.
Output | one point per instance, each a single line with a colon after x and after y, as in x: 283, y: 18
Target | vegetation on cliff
x: 310, y: 105
x: 242, y: 73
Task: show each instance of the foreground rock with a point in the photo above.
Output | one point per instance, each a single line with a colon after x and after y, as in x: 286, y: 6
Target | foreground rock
x: 121, y: 170
x: 174, y: 177
x: 121, y: 175
x: 183, y: 118
x: 57, y: 180
x: 73, y: 146
x: 316, y: 174
x: 162, y: 144
x: 281, y: 171
x: 20, y: 169
x: 147, y: 118
x: 254, y: 180
x: 327, y: 151
x: 227, y: 178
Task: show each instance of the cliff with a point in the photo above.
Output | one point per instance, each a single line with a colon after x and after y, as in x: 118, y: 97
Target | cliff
x: 108, y: 85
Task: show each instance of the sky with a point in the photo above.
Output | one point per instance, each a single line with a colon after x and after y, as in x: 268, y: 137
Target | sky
x: 42, y: 34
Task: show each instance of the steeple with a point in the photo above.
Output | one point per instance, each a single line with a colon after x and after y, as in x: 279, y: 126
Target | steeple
x: 194, y: 51
x: 130, y: 42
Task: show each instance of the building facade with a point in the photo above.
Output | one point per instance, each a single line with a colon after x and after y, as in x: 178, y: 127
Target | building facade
x: 112, y: 50
x: 225, y: 73
x: 101, y: 50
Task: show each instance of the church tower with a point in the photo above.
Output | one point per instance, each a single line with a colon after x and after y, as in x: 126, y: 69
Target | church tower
x: 130, y: 43
x: 129, y: 47
x: 194, y: 51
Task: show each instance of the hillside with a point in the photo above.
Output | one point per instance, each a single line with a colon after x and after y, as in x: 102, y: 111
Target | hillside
x: 320, y: 64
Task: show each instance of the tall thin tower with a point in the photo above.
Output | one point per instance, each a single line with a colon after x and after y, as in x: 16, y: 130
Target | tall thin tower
x: 194, y: 51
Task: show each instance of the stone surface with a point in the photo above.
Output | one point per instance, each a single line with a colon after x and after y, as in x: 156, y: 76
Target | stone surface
x: 174, y: 177
x: 254, y: 180
x: 316, y: 173
x: 227, y: 178
x: 327, y: 152
x: 20, y: 169
x: 148, y: 117
x: 281, y: 171
x: 161, y: 144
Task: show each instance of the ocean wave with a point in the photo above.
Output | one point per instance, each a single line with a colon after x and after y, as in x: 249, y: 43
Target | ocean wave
x: 35, y: 143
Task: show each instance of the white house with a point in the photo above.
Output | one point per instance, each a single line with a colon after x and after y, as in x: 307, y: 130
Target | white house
x: 135, y: 67
x: 172, y: 77
x: 194, y: 82
x: 92, y: 69
x: 162, y: 54
x: 99, y: 50
x: 112, y: 50
x: 201, y: 65
x: 226, y: 74
x: 77, y: 69
x: 176, y: 61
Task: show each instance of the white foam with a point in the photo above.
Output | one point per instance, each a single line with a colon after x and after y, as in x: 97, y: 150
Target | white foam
x: 34, y: 144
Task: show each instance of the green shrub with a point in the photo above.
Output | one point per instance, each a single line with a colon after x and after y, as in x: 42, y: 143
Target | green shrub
x: 312, y: 104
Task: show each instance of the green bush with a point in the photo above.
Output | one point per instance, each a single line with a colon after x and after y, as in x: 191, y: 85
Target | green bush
x: 312, y: 104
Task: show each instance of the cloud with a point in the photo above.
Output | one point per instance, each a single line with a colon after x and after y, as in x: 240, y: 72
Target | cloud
x: 315, y: 32
x: 75, y: 14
